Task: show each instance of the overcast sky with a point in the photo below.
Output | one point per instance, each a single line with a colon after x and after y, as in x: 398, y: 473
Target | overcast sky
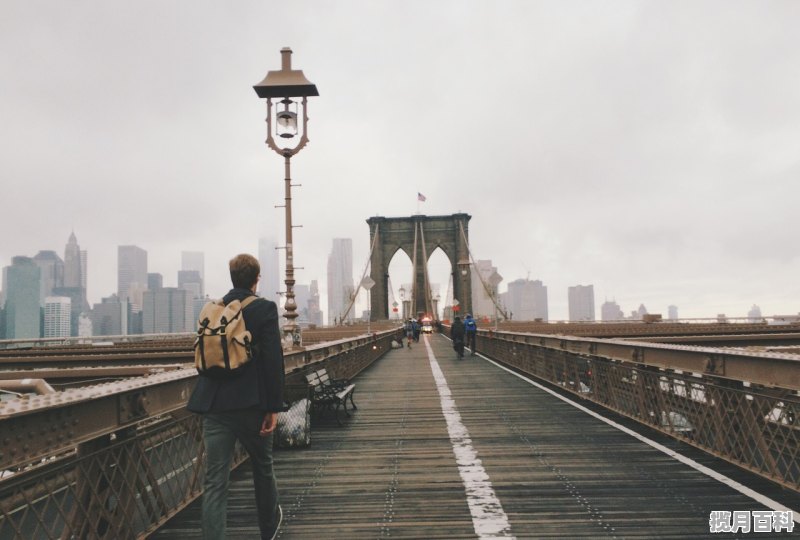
x: 648, y: 148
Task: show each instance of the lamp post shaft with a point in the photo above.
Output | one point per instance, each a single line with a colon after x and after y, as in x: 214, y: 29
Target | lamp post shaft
x: 290, y: 314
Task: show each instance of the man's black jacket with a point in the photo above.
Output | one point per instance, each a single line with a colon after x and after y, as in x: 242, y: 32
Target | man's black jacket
x: 260, y: 384
x: 457, y: 331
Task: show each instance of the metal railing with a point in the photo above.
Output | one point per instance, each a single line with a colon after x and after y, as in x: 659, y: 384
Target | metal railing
x: 117, y: 460
x: 741, y: 406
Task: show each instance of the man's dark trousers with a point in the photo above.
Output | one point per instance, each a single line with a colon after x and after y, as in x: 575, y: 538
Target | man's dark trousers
x: 220, y: 432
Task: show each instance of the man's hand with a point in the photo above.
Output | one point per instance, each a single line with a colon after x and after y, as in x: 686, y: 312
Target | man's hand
x: 269, y: 424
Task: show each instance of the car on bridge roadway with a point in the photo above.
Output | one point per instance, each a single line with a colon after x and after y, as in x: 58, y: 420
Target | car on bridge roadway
x: 426, y: 325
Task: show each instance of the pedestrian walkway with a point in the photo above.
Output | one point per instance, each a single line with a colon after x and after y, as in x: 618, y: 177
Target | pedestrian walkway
x: 448, y: 448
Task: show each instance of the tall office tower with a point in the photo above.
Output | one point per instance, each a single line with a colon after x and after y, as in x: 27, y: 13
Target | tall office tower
x: 57, y: 316
x: 194, y: 261
x: 754, y: 314
x: 131, y: 275
x: 268, y: 258
x: 155, y: 281
x: 167, y: 310
x: 84, y: 270
x: 110, y: 317
x: 72, y: 262
x: 314, y: 311
x: 52, y: 273
x: 581, y: 303
x: 190, y: 280
x: 482, y: 303
x: 527, y: 300
x: 340, y: 279
x: 672, y: 313
x: 23, y: 310
x: 75, y: 274
x: 302, y: 293
x: 610, y: 311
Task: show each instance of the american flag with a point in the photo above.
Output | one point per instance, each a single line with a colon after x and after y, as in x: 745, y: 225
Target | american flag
x: 420, y: 197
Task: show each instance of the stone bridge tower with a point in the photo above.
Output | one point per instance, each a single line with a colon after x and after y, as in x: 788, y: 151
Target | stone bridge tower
x: 402, y: 233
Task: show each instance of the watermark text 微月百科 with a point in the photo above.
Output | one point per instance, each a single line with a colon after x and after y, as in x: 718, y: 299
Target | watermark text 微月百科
x: 745, y: 521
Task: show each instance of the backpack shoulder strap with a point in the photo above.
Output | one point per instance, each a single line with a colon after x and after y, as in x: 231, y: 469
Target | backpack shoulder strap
x: 249, y: 300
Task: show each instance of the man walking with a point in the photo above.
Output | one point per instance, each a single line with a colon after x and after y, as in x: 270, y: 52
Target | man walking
x: 471, y: 330
x: 243, y: 407
x: 457, y: 335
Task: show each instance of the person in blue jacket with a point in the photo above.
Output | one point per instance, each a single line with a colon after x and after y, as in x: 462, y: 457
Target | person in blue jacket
x: 470, y: 330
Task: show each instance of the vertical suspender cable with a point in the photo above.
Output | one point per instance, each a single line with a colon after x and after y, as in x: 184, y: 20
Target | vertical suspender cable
x: 428, y: 298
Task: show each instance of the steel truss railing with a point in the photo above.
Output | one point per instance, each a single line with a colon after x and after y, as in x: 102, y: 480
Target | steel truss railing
x: 118, y: 460
x: 740, y: 406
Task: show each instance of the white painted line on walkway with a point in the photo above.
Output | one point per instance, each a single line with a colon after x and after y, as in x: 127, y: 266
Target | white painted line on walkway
x: 730, y: 482
x: 488, y: 517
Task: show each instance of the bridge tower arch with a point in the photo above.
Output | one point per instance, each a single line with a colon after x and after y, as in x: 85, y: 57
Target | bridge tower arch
x: 418, y: 236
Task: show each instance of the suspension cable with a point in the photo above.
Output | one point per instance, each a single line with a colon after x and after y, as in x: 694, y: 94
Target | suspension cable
x: 428, y: 298
x: 480, y: 277
x: 363, y: 274
x: 414, y: 275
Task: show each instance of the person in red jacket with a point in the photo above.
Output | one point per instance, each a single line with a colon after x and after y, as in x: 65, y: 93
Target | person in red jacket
x: 244, y: 408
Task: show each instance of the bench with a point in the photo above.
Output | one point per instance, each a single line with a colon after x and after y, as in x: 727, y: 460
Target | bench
x: 330, y: 393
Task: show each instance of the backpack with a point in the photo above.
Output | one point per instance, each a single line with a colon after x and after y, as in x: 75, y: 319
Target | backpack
x: 223, y: 345
x: 470, y: 325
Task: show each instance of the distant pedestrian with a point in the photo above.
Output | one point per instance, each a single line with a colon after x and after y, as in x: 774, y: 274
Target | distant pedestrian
x: 409, y: 332
x: 243, y: 407
x: 457, y: 335
x: 415, y: 328
x: 471, y: 330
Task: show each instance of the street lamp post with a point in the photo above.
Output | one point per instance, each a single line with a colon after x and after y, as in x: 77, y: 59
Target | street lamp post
x: 463, y: 266
x: 283, y: 85
x: 403, y: 301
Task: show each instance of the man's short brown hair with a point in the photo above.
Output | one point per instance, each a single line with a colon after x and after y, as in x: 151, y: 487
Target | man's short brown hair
x: 244, y: 271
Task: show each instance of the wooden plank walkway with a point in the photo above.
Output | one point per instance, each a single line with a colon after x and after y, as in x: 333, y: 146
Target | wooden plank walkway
x: 391, y: 471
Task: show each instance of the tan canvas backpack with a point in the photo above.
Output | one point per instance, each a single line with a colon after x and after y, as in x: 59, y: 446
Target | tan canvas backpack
x: 223, y: 345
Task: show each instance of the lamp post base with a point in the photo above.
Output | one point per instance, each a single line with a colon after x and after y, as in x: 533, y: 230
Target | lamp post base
x: 292, y: 337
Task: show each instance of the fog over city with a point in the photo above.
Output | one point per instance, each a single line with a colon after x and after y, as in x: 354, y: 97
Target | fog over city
x: 651, y: 149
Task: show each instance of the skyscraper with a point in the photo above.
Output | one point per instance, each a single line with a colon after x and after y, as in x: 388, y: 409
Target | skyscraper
x: 131, y: 275
x: 302, y: 293
x: 110, y: 317
x: 268, y: 258
x: 314, y: 312
x: 167, y: 310
x: 57, y: 317
x: 23, y: 309
x: 194, y: 261
x: 75, y: 276
x: 482, y: 300
x: 610, y: 311
x: 340, y: 279
x: 72, y: 262
x: 155, y: 281
x: 190, y: 280
x: 52, y: 272
x: 581, y: 303
x: 527, y: 300
x: 672, y: 312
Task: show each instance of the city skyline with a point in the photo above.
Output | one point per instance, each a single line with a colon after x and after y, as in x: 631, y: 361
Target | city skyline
x: 504, y: 287
x: 646, y: 148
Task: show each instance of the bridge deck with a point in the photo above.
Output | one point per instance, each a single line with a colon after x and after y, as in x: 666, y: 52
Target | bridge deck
x: 553, y: 469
